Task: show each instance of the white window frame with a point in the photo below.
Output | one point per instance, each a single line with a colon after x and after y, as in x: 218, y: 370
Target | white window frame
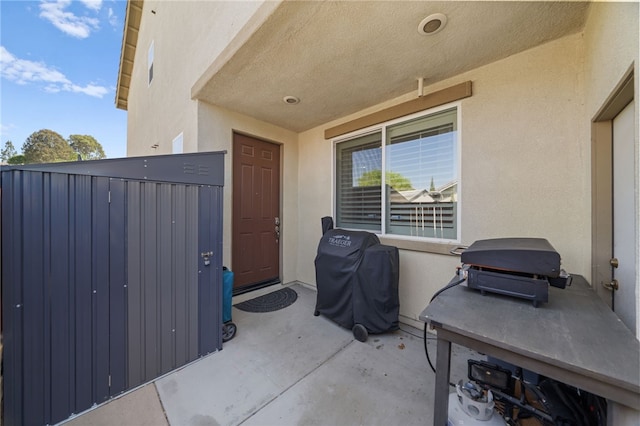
x: 150, y: 61
x: 381, y: 127
x: 178, y: 142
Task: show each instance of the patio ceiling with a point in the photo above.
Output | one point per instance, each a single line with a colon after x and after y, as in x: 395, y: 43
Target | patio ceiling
x: 341, y: 57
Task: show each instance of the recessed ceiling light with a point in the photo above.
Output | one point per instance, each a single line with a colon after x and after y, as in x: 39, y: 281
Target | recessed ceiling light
x: 291, y: 100
x: 432, y: 24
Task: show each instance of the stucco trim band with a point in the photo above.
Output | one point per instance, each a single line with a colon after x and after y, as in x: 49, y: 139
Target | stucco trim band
x: 441, y: 97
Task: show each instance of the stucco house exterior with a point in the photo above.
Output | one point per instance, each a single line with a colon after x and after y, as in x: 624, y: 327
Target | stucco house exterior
x: 512, y: 106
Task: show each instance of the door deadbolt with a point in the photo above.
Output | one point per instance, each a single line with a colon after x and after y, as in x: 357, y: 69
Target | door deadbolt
x: 614, y: 262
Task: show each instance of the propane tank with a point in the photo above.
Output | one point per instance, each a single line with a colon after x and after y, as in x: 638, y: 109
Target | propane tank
x: 470, y: 406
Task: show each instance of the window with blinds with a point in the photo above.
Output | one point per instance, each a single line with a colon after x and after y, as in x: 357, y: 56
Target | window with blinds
x: 418, y: 196
x: 358, y: 183
x: 421, y: 172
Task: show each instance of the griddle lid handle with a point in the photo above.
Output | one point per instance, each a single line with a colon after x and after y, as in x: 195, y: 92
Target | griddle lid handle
x: 458, y: 250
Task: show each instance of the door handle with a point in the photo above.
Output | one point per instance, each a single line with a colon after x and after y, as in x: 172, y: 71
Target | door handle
x: 206, y: 256
x: 613, y: 285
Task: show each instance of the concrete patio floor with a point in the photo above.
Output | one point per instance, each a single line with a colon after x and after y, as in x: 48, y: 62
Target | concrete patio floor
x: 290, y: 368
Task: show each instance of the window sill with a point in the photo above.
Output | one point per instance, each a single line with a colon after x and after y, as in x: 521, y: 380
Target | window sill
x: 421, y: 246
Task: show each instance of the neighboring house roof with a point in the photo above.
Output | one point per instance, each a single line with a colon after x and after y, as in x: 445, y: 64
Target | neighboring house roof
x: 443, y: 194
x: 341, y: 57
x: 128, y: 51
x: 412, y: 196
x: 447, y: 186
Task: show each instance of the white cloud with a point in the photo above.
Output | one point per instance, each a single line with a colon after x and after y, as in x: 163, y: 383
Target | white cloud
x: 5, y: 131
x: 68, y: 22
x: 93, y: 4
x: 113, y: 18
x: 23, y: 71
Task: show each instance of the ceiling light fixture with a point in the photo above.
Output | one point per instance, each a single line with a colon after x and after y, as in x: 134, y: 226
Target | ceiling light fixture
x: 291, y: 100
x: 432, y: 24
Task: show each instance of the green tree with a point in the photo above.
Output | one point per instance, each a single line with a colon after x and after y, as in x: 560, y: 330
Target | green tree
x: 17, y: 159
x: 393, y: 179
x: 87, y: 147
x: 47, y: 146
x: 8, y: 151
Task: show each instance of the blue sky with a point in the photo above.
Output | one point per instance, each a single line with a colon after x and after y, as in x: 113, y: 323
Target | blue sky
x: 59, y: 69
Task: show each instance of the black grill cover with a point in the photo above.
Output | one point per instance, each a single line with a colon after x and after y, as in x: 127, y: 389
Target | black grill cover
x: 376, y: 303
x: 357, y: 280
x: 339, y: 256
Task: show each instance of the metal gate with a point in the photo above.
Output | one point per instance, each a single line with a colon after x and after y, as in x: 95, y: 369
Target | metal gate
x: 111, y: 277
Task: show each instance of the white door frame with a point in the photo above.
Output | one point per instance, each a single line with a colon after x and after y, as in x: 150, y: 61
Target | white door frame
x: 602, y: 188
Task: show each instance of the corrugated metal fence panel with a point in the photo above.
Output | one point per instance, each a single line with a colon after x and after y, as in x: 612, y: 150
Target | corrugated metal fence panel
x: 117, y: 286
x: 210, y: 241
x: 82, y: 381
x: 100, y: 288
x: 162, y: 278
x: 135, y: 294
x: 185, y: 274
x: 11, y: 297
x: 58, y: 229
x: 202, y: 168
x: 103, y: 285
x: 150, y: 275
x: 31, y: 302
x: 48, y: 296
x: 166, y: 251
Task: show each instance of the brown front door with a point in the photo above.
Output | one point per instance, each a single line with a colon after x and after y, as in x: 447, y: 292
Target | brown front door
x: 256, y: 211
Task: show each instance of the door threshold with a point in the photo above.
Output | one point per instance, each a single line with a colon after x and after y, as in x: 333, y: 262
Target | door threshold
x: 256, y: 286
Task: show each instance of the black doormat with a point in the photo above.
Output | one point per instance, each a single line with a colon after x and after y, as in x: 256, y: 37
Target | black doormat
x: 269, y: 302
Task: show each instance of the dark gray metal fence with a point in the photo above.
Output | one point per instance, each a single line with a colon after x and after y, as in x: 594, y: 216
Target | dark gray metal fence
x: 111, y: 277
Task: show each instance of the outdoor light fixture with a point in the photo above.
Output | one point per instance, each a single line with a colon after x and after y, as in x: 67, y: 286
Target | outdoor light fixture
x: 432, y: 24
x: 291, y: 100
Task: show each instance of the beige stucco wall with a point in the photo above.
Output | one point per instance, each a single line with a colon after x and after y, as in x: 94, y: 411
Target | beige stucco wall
x: 611, y: 47
x: 159, y: 112
x: 215, y: 132
x: 525, y: 166
x: 605, y: 67
x: 525, y: 136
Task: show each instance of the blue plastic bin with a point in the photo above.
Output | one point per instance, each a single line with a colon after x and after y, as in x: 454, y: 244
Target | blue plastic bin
x: 228, y: 328
x: 227, y: 293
